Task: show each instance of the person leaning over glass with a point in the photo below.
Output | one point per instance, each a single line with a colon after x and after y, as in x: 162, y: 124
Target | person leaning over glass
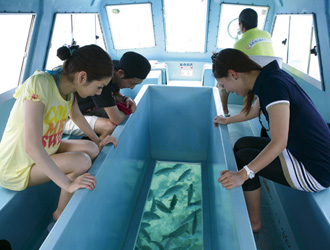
x: 32, y: 151
x: 297, y: 154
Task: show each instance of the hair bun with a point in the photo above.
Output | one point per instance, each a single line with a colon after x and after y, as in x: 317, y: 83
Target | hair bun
x: 63, y: 53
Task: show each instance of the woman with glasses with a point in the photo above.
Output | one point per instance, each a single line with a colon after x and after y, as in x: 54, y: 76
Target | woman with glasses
x: 297, y: 154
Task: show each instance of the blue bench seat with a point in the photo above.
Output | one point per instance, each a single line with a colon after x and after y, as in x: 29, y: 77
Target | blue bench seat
x: 304, y: 216
x: 24, y: 215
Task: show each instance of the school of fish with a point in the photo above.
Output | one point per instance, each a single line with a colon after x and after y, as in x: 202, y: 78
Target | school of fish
x: 172, y: 218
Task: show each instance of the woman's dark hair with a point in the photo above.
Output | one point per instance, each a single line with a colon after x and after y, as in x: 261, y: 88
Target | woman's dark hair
x: 238, y: 61
x: 249, y: 18
x: 90, y: 58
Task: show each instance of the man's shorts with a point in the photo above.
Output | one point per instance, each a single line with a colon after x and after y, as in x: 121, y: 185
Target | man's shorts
x: 71, y: 128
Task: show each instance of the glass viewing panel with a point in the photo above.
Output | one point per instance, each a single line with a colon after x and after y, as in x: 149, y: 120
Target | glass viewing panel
x: 173, y: 213
x: 294, y: 40
x: 85, y: 29
x: 229, y: 31
x: 15, y: 30
x: 185, y: 30
x: 131, y: 25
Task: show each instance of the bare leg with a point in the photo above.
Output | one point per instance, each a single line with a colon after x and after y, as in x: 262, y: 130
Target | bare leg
x: 85, y: 146
x: 224, y: 100
x: 104, y: 127
x: 64, y: 199
x: 73, y: 163
x: 252, y: 199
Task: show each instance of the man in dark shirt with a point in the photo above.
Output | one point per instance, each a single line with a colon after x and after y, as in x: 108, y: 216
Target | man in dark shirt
x: 104, y: 112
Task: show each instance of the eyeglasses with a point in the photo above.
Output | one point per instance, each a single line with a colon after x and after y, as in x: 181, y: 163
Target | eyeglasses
x: 261, y: 121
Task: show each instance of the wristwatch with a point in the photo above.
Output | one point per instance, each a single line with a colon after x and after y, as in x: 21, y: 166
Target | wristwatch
x: 250, y: 173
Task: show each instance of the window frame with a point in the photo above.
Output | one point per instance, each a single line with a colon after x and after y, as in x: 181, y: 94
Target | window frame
x: 205, y: 35
x: 113, y: 37
x: 242, y: 6
x: 297, y: 72
x: 27, y: 45
x: 80, y: 44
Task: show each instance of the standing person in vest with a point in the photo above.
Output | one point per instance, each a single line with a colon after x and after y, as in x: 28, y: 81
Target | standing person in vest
x: 253, y: 42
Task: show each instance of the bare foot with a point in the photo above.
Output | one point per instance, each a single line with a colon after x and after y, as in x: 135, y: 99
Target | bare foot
x: 56, y: 215
x: 256, y: 227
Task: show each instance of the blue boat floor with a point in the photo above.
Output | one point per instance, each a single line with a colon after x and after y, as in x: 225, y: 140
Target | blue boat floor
x: 39, y: 235
x: 270, y: 236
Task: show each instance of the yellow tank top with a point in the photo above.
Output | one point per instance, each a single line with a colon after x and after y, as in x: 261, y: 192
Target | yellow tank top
x: 15, y: 163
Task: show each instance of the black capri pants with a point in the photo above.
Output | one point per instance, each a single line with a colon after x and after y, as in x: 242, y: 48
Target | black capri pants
x: 245, y: 150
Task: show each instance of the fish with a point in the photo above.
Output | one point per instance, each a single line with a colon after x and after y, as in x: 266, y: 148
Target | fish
x: 168, y: 243
x: 145, y: 224
x: 181, y: 230
x: 173, y: 202
x: 196, y: 247
x: 164, y: 171
x: 190, y: 216
x: 196, y: 203
x: 194, y: 224
x: 146, y: 248
x: 171, y: 191
x: 150, y: 216
x: 138, y: 243
x: 190, y: 193
x: 184, y: 175
x: 153, y: 205
x: 162, y: 207
x: 177, y: 166
x: 145, y: 234
x: 150, y: 194
x: 160, y: 246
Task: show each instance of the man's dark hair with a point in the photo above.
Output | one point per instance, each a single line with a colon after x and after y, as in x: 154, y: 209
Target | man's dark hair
x: 134, y: 65
x: 249, y: 18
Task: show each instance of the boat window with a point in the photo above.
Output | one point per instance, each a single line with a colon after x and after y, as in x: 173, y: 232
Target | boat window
x: 131, y: 25
x: 185, y: 30
x: 294, y: 40
x: 229, y: 31
x: 15, y: 30
x: 82, y: 29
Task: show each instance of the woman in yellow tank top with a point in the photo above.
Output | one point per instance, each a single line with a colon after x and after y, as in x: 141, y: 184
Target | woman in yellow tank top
x: 32, y: 151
